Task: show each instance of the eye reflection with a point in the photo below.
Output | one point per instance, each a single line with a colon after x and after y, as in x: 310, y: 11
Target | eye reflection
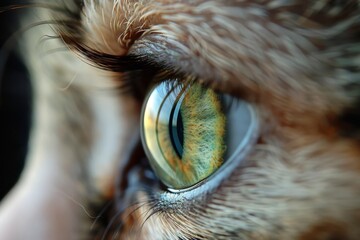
x: 189, y: 132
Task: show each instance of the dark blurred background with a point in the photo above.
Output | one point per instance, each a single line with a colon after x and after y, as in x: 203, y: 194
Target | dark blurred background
x: 15, y: 100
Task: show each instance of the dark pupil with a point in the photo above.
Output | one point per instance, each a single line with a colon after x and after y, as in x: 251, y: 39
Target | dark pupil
x: 176, y: 129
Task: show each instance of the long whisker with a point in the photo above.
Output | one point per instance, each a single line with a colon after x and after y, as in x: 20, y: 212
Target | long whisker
x: 118, y: 228
x: 128, y: 211
x: 14, y: 7
x: 101, y: 213
x: 11, y: 42
x: 137, y: 206
x: 147, y: 215
x: 63, y: 8
x: 110, y: 224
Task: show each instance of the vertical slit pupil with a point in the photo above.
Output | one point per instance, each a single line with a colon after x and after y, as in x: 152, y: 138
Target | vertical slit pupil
x: 180, y: 131
x: 176, y: 129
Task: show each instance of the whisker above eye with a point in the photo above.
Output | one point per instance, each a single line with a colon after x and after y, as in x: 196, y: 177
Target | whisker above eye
x: 12, y: 41
x: 51, y: 7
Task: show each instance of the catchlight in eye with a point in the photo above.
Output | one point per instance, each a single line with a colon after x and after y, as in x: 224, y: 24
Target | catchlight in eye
x: 190, y: 132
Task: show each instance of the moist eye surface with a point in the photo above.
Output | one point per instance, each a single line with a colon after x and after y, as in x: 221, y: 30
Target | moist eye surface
x: 189, y: 132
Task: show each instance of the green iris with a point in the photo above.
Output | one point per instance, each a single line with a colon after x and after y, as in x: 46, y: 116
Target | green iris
x: 183, y: 133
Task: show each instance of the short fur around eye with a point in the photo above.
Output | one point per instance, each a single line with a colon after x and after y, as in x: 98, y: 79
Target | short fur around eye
x: 295, y: 61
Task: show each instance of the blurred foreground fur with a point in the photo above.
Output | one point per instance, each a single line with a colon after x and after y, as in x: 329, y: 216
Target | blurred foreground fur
x: 297, y: 61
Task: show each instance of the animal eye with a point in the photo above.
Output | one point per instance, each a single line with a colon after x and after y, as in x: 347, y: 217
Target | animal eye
x: 189, y: 132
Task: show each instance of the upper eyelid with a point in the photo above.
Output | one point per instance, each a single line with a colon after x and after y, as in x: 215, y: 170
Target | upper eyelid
x: 107, y: 61
x: 133, y: 61
x: 151, y: 54
x: 173, y: 56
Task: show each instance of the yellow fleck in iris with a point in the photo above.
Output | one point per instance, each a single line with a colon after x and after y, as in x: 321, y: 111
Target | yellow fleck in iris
x: 199, y: 128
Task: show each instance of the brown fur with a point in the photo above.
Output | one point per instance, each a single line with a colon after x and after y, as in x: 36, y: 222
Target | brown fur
x: 295, y: 61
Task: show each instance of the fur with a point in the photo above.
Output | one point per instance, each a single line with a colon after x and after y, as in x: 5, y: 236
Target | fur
x: 296, y: 61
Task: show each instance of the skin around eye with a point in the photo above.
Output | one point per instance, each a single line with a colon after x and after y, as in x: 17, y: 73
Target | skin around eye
x: 184, y: 133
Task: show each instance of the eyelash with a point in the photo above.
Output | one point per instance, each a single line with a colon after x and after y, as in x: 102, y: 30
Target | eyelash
x: 133, y: 68
x: 137, y: 70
